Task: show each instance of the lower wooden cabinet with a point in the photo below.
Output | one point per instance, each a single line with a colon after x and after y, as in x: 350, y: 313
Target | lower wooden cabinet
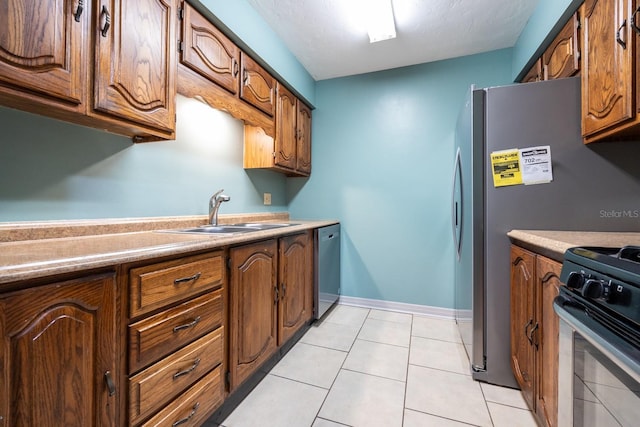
x: 176, y: 340
x: 253, y: 308
x: 271, y: 298
x: 58, y: 354
x: 535, y: 282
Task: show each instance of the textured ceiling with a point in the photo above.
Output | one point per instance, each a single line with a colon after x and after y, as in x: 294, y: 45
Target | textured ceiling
x: 328, y: 39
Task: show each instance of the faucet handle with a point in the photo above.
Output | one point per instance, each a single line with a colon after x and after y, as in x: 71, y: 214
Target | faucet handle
x: 217, y: 193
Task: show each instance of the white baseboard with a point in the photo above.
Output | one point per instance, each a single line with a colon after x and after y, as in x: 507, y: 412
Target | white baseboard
x: 422, y: 310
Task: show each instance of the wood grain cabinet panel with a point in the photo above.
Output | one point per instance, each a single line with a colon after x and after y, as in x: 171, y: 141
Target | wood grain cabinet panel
x: 154, y: 286
x: 535, y: 282
x: 562, y: 57
x: 258, y: 87
x: 253, y: 308
x: 43, y: 48
x: 523, y: 264
x: 195, y: 405
x: 58, y: 354
x: 173, y: 374
x: 534, y: 74
x: 156, y: 336
x: 609, y: 75
x: 303, y: 150
x: 547, y: 288
x: 286, y: 132
x: 208, y: 51
x: 136, y: 61
x: 296, y: 284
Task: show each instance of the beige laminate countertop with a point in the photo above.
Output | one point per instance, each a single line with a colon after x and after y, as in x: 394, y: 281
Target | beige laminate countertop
x: 32, y: 259
x: 553, y: 244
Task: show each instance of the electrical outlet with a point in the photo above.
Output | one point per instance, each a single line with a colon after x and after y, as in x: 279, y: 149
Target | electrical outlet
x: 267, y: 198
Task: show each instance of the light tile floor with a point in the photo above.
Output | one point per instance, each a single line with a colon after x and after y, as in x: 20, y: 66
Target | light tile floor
x: 366, y: 367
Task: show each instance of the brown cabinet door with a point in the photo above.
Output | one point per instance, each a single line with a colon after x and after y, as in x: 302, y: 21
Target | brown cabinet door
x: 523, y: 324
x: 43, y: 48
x: 546, y: 340
x: 252, y: 308
x: 209, y: 52
x: 258, y: 88
x: 294, y: 261
x: 286, y: 114
x: 562, y: 57
x: 607, y: 83
x: 135, y: 61
x: 304, y: 139
x: 534, y: 74
x: 58, y: 348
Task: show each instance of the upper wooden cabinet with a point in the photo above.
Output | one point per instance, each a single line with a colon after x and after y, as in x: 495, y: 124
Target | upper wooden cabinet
x: 108, y: 64
x: 135, y: 61
x: 534, y: 74
x: 562, y: 57
x: 610, y: 75
x: 209, y: 52
x: 258, y: 87
x: 290, y: 151
x: 59, y: 354
x: 43, y: 49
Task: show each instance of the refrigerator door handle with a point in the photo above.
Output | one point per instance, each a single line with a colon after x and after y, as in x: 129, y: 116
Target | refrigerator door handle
x: 456, y: 207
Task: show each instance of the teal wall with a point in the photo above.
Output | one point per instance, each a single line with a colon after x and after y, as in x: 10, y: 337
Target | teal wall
x: 544, y: 24
x: 51, y: 170
x: 382, y: 164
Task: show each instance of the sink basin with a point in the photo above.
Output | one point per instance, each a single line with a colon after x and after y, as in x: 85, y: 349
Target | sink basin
x: 245, y: 227
x: 262, y: 225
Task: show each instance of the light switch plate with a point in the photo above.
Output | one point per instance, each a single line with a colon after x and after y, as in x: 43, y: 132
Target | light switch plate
x: 267, y: 198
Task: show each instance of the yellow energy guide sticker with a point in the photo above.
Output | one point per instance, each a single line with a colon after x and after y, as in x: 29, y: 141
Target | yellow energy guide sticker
x: 506, y: 168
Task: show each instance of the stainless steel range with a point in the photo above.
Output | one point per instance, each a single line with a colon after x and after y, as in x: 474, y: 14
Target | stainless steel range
x: 599, y: 359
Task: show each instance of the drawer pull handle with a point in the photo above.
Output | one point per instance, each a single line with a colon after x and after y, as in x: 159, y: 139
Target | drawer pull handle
x: 186, y: 419
x: 187, y: 279
x: 187, y: 325
x: 187, y: 371
x: 619, y: 34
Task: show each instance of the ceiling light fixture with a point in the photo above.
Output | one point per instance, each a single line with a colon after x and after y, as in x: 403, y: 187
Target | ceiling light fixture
x: 380, y: 21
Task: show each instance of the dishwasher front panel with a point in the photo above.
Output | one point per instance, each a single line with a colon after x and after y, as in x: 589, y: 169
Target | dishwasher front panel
x: 327, y: 269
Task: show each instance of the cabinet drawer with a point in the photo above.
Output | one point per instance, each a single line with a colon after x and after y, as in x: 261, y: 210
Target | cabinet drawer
x: 161, y: 382
x: 194, y: 406
x: 152, y: 338
x: 154, y: 286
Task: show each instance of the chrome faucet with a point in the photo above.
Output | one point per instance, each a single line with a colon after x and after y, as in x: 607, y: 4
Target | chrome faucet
x: 214, y: 205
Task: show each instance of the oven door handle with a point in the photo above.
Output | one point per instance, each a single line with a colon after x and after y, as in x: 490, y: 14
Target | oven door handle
x: 611, y: 345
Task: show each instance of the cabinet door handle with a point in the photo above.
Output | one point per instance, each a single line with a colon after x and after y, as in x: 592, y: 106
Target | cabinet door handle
x: 188, y: 417
x: 105, y: 21
x: 187, y: 279
x: 111, y: 386
x: 187, y: 325
x: 634, y: 23
x: 537, y: 325
x: 276, y: 297
x: 529, y: 323
x: 187, y: 371
x: 245, y: 77
x: 619, y: 34
x: 236, y: 68
x: 284, y: 290
x: 78, y: 13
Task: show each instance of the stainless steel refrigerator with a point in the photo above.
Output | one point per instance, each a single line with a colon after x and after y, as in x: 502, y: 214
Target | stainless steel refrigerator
x: 594, y: 188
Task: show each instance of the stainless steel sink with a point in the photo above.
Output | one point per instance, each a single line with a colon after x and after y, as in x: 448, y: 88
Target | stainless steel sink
x: 245, y: 227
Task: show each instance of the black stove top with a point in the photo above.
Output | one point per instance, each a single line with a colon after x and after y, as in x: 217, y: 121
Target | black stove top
x: 606, y: 283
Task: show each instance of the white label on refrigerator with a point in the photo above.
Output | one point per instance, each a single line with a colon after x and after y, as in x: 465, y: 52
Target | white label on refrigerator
x: 535, y: 163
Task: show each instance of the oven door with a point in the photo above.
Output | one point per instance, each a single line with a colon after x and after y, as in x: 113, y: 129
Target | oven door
x: 598, y: 374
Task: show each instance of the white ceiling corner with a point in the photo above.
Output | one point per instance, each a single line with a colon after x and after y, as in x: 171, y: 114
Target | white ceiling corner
x: 329, y: 42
